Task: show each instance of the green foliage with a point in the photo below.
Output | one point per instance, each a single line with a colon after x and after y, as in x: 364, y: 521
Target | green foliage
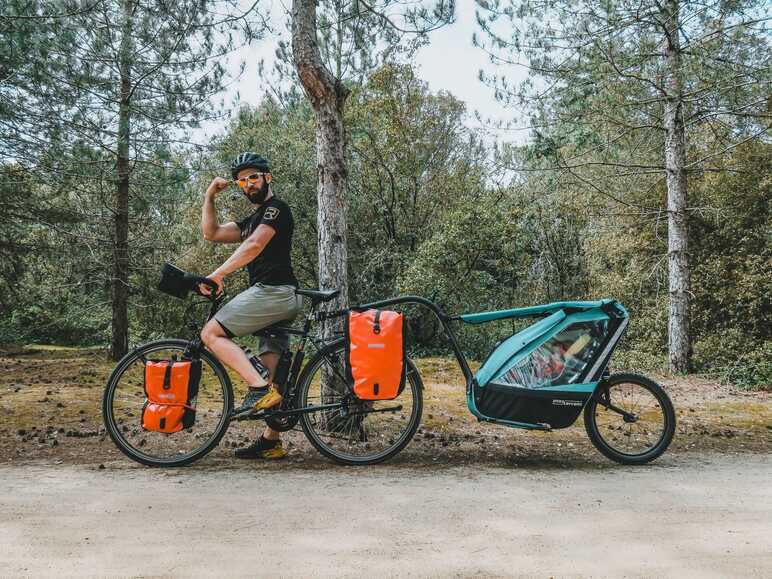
x: 733, y: 357
x: 732, y: 281
x: 473, y: 262
x: 625, y: 100
x: 732, y: 229
x: 110, y: 89
x: 411, y: 160
x: 426, y: 216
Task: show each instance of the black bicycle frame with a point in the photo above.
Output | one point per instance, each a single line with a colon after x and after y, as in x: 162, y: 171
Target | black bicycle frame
x: 304, y: 334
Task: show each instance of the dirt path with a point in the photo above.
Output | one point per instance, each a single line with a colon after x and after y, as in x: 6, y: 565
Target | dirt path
x: 682, y: 516
x: 50, y: 410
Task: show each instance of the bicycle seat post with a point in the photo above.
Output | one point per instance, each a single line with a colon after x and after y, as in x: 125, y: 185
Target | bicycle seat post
x: 310, y: 317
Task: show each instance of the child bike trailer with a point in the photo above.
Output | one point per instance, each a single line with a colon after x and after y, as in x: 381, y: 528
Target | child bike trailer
x: 542, y: 376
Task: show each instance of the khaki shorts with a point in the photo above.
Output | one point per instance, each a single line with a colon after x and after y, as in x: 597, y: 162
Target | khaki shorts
x: 259, y: 307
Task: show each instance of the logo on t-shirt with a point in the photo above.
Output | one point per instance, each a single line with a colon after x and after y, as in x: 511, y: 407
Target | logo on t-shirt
x: 271, y: 213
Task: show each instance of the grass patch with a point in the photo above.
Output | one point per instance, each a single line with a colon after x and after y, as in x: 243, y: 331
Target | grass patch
x: 54, y: 348
x: 50, y: 406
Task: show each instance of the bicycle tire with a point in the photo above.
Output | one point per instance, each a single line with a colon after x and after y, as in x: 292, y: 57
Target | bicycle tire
x: 116, y: 430
x: 414, y: 386
x: 605, y: 444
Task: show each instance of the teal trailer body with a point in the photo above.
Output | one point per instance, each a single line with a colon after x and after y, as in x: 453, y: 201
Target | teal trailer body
x: 543, y: 376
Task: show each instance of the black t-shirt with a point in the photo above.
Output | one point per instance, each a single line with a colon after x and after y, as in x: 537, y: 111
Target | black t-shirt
x: 274, y: 264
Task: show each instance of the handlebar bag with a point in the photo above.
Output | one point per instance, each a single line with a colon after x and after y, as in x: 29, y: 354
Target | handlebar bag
x: 171, y: 388
x: 175, y: 282
x: 375, y: 353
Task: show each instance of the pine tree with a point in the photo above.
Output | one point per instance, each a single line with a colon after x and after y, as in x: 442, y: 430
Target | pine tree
x: 334, y: 43
x: 127, y: 80
x: 617, y: 89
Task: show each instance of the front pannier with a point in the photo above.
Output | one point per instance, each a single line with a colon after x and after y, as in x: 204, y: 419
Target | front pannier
x: 375, y: 353
x: 171, y: 388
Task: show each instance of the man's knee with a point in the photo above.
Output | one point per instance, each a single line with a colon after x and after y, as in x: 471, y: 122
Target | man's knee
x: 212, y: 330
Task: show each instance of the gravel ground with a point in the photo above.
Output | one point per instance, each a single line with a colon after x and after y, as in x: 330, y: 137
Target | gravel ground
x: 685, y: 515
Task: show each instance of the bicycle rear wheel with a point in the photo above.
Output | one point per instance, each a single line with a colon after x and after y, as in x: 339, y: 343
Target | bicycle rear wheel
x: 365, y: 432
x: 630, y: 419
x: 124, y: 399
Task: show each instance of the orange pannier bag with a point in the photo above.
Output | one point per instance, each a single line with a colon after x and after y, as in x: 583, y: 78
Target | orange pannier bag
x: 171, y: 388
x: 375, y: 353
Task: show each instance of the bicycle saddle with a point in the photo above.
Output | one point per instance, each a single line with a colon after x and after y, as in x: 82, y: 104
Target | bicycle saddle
x: 318, y: 295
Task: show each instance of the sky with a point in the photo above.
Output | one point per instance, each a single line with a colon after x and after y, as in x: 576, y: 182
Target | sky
x: 449, y: 62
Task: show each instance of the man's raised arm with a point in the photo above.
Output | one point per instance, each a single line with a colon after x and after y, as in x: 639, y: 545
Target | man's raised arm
x: 210, y: 227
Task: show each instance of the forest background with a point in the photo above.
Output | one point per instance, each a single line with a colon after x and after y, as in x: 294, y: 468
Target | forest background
x: 100, y: 183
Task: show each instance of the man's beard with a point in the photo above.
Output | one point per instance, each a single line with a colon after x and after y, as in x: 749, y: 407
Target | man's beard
x: 258, y: 197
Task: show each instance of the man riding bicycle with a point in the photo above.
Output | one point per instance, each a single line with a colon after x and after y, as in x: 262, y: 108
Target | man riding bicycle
x: 265, y: 250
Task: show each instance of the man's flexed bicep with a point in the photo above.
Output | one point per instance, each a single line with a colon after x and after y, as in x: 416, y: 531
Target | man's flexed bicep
x: 228, y: 233
x: 210, y: 226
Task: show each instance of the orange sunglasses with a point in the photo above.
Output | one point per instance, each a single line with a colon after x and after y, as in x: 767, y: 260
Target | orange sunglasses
x: 253, y: 178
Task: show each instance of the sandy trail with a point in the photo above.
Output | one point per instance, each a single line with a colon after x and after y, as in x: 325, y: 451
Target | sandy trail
x: 681, y: 516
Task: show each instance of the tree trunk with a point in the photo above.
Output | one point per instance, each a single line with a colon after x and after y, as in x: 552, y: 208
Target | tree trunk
x: 679, y: 338
x: 120, y: 280
x: 327, y: 97
x: 331, y: 187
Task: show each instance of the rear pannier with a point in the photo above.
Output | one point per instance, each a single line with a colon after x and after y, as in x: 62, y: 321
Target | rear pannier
x: 375, y: 353
x: 171, y: 388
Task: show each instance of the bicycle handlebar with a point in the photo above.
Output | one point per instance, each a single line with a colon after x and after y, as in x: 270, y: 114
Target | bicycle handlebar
x: 196, y: 280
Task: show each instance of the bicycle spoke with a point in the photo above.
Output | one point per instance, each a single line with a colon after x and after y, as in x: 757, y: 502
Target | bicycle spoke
x: 631, y: 438
x: 354, y: 434
x: 128, y: 399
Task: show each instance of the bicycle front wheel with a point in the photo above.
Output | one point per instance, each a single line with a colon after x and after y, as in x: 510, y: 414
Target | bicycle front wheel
x: 124, y: 399
x: 630, y: 419
x: 358, y: 432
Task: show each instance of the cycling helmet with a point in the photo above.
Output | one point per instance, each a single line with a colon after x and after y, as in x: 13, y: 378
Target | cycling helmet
x: 252, y: 160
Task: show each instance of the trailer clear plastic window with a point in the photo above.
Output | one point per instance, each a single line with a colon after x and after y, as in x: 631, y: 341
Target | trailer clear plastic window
x: 560, y: 360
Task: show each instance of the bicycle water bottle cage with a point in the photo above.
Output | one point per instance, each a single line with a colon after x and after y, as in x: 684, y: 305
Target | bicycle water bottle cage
x: 375, y: 354
x: 171, y: 388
